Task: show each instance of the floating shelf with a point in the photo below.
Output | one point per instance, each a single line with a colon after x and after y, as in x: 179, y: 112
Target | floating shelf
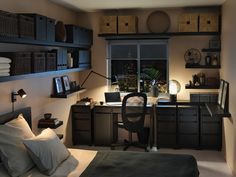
x: 202, y: 87
x: 41, y: 74
x: 202, y: 66
x: 50, y: 125
x: 155, y: 35
x: 211, y: 50
x: 216, y: 110
x: 67, y: 94
x: 40, y: 43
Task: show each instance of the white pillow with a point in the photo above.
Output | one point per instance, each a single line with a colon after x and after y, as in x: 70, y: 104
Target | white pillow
x: 47, y: 151
x: 12, y: 151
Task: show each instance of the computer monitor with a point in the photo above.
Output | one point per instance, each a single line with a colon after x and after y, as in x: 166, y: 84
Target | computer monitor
x: 112, y: 97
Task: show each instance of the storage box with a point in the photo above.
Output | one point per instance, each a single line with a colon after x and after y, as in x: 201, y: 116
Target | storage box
x: 188, y: 22
x: 51, y: 61
x: 72, y: 34
x: 26, y: 27
x: 38, y: 62
x: 85, y: 36
x: 209, y: 22
x: 127, y: 24
x: 82, y: 58
x: 20, y: 62
x: 108, y: 25
x: 8, y: 24
x: 50, y: 29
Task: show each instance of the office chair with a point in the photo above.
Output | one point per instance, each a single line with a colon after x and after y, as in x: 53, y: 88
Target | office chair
x: 133, y: 115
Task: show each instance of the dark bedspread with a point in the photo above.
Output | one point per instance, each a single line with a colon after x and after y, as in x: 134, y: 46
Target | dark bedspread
x: 141, y: 164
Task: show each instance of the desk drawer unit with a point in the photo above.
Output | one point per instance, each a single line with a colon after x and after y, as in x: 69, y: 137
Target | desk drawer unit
x: 82, y: 132
x: 211, y: 131
x: 188, y: 127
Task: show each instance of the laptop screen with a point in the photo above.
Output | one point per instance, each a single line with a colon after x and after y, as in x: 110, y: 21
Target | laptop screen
x: 112, y: 97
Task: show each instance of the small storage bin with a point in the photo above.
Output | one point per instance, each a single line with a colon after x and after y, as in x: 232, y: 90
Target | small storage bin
x: 85, y: 36
x: 108, y: 25
x: 188, y: 22
x: 38, y: 62
x: 51, y: 61
x: 50, y: 29
x: 127, y: 24
x: 26, y: 27
x: 20, y: 62
x: 82, y: 58
x: 72, y: 34
x: 209, y: 22
x: 8, y: 24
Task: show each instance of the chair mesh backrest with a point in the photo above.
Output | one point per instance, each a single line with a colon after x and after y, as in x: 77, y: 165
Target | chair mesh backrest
x: 133, y: 111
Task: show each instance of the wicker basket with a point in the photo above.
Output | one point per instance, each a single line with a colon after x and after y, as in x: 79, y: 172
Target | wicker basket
x: 8, y: 24
x: 38, y: 62
x: 108, y: 25
x: 127, y: 24
x: 26, y: 27
x: 51, y: 61
x: 188, y: 22
x: 209, y: 22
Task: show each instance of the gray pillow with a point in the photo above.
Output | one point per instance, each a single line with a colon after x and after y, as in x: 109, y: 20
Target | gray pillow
x: 12, y: 151
x: 47, y: 151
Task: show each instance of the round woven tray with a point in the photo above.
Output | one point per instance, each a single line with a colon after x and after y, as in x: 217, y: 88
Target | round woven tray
x: 158, y: 22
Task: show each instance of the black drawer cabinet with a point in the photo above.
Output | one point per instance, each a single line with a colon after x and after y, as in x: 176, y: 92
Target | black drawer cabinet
x: 82, y: 121
x: 188, y: 127
x: 211, y: 130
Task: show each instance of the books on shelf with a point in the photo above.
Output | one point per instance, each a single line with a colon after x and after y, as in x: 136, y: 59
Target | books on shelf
x: 51, y: 121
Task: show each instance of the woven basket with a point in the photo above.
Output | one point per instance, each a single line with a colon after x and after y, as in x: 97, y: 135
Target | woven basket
x: 127, y: 24
x: 108, y: 25
x: 8, y: 24
x: 51, y: 61
x: 209, y: 22
x: 38, y: 62
x: 26, y: 27
x: 188, y: 22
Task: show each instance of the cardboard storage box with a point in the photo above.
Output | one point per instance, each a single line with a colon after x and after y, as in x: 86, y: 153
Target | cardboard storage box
x: 108, y: 25
x: 127, y: 24
x: 209, y: 22
x: 188, y: 22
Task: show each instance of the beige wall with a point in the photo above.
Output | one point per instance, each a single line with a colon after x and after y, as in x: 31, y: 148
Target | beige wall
x: 228, y: 73
x: 177, y: 47
x: 38, y: 89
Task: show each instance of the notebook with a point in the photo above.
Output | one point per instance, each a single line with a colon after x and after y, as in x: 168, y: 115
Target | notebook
x: 112, y: 98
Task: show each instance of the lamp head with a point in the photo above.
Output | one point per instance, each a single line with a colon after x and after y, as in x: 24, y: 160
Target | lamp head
x: 174, y: 88
x: 20, y: 92
x: 114, y: 80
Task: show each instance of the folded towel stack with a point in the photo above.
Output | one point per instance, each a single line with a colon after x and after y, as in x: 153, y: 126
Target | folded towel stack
x: 5, y: 66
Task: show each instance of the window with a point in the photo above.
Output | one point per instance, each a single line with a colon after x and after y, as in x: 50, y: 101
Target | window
x: 138, y: 64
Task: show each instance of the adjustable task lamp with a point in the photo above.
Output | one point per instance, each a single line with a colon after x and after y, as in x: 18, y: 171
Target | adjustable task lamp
x: 174, y: 88
x: 21, y: 93
x: 113, y: 79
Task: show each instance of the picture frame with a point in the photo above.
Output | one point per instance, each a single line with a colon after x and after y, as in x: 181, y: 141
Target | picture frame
x: 66, y: 83
x: 220, y: 92
x: 214, y: 44
x: 224, y: 95
x: 58, y: 85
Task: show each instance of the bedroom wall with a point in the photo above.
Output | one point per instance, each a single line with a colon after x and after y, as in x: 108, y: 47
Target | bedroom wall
x: 38, y: 89
x: 228, y: 73
x: 96, y: 85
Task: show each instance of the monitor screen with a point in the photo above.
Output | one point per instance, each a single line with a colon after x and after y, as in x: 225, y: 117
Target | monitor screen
x: 112, y: 97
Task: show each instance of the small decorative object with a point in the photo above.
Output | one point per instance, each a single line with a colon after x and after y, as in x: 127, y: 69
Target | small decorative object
x: 66, y: 83
x: 214, y: 61
x: 214, y: 44
x: 73, y: 85
x: 47, y: 115
x: 60, y: 32
x: 224, y: 95
x: 202, y: 79
x: 192, y: 56
x: 208, y: 60
x: 190, y: 83
x: 58, y: 85
x: 69, y: 60
x: 101, y: 102
x: 195, y: 80
x: 158, y: 22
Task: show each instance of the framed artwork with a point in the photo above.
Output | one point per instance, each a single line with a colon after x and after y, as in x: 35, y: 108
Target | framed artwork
x: 224, y: 95
x: 58, y: 85
x: 220, y: 92
x: 66, y: 83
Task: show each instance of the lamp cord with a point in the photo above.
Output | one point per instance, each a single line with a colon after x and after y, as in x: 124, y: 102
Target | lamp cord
x: 13, y: 107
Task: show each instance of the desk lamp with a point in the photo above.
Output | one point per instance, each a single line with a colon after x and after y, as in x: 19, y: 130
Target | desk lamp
x: 21, y: 93
x: 174, y: 88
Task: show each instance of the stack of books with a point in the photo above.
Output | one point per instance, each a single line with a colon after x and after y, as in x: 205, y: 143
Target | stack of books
x: 52, y: 122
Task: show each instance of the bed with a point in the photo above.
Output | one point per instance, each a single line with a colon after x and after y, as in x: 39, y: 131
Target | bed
x: 87, y: 163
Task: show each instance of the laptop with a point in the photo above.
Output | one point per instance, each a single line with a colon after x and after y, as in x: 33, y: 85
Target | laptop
x: 112, y: 98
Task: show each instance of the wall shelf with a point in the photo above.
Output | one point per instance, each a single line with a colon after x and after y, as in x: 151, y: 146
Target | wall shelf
x: 12, y: 40
x: 154, y: 35
x: 216, y: 110
x: 211, y: 50
x: 202, y: 87
x: 67, y: 94
x: 41, y: 74
x: 192, y: 66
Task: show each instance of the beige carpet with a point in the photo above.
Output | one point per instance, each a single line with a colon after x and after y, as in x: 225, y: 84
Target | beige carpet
x: 210, y: 163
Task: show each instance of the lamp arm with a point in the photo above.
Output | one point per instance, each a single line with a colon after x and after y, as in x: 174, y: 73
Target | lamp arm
x: 94, y: 73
